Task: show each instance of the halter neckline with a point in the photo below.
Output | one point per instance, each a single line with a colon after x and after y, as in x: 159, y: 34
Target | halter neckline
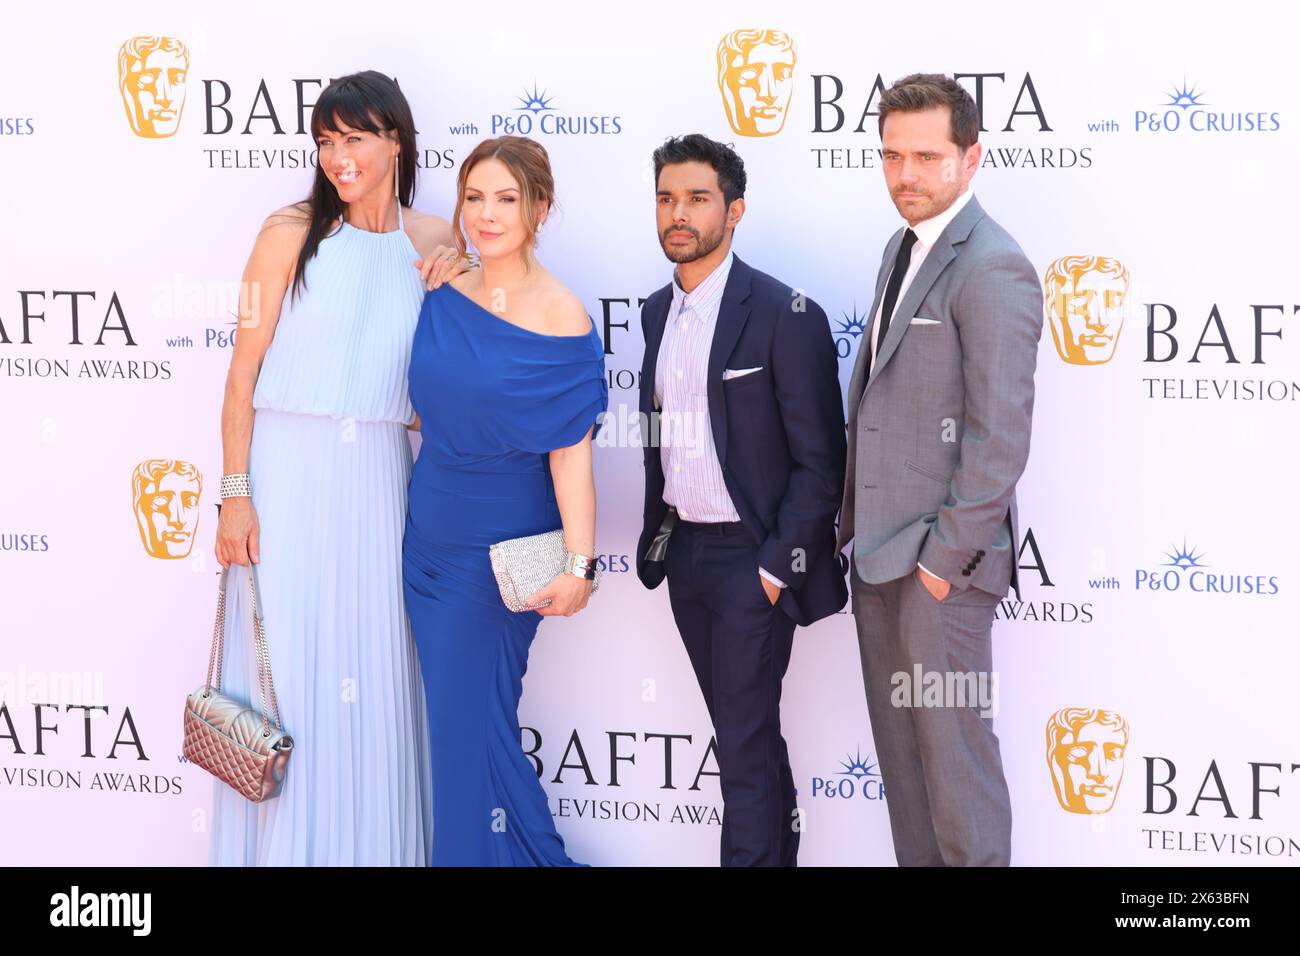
x: 401, y: 225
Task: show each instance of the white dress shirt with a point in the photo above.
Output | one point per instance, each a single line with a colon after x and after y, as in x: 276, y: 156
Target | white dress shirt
x: 927, y: 233
x: 693, y: 482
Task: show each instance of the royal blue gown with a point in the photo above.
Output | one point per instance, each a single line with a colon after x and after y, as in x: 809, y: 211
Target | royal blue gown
x: 493, y: 400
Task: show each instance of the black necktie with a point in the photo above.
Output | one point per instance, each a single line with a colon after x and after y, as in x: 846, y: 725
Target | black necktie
x: 901, y: 262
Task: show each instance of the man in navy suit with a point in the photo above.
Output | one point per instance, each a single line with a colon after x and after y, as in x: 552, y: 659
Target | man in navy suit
x: 740, y: 381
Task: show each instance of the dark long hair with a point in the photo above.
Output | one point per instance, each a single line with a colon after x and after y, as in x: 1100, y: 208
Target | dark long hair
x: 368, y: 101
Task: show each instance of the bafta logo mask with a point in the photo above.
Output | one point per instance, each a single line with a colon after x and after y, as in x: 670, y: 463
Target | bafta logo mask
x: 1085, y: 753
x: 165, y: 495
x: 1085, y: 307
x: 151, y: 75
x: 756, y: 79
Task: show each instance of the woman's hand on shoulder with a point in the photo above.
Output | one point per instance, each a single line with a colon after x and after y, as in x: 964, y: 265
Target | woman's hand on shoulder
x: 442, y: 264
x: 439, y: 260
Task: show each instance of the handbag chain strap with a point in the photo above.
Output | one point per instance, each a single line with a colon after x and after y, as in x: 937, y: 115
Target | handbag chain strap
x: 265, y: 685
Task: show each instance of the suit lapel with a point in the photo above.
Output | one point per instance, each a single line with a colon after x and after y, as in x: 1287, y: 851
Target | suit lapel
x: 655, y: 336
x: 935, y: 262
x: 938, y: 258
x: 857, y: 380
x: 733, y: 312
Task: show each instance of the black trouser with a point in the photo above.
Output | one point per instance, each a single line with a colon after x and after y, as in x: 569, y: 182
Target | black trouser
x: 739, y: 644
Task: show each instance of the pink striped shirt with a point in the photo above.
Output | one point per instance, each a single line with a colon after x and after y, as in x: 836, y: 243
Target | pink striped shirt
x: 693, y: 481
x: 692, y: 476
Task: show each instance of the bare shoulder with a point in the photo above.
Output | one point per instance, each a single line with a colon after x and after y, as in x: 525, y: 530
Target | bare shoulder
x: 427, y: 231
x: 468, y: 282
x: 289, y: 218
x: 563, y: 312
x: 280, y: 238
x: 286, y: 227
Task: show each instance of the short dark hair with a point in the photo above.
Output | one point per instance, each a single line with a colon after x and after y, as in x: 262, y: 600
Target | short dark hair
x: 924, y: 91
x: 695, y: 147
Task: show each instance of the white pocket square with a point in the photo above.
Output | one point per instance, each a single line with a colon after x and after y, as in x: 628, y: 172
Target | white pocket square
x: 730, y: 373
x: 922, y: 320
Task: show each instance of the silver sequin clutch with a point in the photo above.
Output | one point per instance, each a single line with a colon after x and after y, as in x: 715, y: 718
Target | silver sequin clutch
x: 524, y: 566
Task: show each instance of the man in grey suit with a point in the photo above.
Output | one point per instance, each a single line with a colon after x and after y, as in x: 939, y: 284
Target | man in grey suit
x: 939, y: 410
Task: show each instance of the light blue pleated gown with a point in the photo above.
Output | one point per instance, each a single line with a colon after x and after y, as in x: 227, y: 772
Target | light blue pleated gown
x: 329, y: 465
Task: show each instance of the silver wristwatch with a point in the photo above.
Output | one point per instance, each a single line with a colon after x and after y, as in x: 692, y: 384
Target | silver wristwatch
x: 581, y: 566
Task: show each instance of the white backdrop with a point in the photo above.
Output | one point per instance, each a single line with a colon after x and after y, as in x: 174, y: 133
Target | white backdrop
x: 1143, y: 469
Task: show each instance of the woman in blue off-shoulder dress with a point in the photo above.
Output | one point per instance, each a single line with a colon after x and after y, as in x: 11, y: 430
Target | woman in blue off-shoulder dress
x: 508, y: 377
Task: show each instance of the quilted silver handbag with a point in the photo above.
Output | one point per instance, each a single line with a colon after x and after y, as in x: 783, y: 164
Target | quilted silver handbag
x: 226, y: 738
x: 525, y: 565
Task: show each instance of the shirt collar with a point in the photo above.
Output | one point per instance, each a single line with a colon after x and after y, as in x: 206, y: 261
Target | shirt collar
x: 928, y: 230
x: 708, y: 291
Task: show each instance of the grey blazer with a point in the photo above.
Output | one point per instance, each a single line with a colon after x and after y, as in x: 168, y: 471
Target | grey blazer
x: 939, y: 434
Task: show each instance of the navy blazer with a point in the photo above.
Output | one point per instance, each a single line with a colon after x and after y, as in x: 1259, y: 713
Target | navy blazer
x: 779, y: 433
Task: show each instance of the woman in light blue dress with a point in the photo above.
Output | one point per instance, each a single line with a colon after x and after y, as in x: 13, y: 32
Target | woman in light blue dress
x: 316, y: 415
